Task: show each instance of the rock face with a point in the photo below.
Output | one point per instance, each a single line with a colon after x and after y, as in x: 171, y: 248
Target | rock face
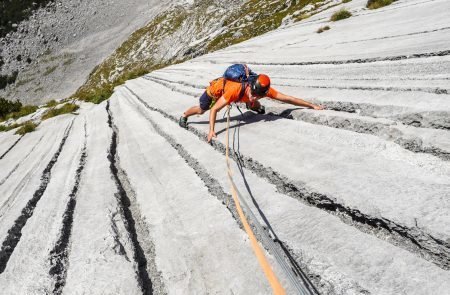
x: 56, y: 48
x: 119, y: 199
x: 186, y: 30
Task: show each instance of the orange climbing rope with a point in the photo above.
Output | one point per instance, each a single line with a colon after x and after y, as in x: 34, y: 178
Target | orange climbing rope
x: 259, y: 253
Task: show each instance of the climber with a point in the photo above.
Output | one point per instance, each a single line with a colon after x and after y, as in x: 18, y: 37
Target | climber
x: 239, y: 84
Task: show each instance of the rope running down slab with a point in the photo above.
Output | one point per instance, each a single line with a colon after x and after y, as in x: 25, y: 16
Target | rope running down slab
x: 265, y: 265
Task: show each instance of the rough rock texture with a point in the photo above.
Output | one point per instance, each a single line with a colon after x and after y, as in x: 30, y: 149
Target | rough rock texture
x: 185, y: 31
x: 119, y: 199
x: 58, y: 46
x: 51, y: 54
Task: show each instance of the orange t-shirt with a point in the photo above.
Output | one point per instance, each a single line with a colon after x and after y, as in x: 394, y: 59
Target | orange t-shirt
x: 232, y: 91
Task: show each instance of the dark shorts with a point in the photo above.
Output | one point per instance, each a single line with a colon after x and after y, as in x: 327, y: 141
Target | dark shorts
x: 205, y: 101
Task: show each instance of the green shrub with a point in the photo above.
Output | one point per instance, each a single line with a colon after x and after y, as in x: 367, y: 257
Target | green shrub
x: 5, y: 80
x: 8, y: 106
x: 374, y: 4
x: 24, y: 111
x: 102, y: 92
x: 96, y: 94
x: 323, y: 29
x: 65, y: 109
x: 340, y: 15
x: 10, y: 127
x: 52, y: 103
x: 27, y: 127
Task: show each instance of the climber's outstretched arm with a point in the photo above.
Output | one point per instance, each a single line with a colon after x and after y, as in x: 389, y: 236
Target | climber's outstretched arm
x: 296, y: 101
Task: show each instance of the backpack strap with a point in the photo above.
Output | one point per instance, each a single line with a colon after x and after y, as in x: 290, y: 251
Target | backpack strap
x: 243, y: 83
x: 211, y: 83
x: 247, y: 73
x: 242, y: 93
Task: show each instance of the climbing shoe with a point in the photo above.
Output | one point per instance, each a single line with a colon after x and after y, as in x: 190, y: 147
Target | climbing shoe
x: 183, y: 122
x: 260, y: 110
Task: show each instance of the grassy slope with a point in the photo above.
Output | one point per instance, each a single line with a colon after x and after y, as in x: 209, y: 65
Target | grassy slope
x: 152, y: 47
